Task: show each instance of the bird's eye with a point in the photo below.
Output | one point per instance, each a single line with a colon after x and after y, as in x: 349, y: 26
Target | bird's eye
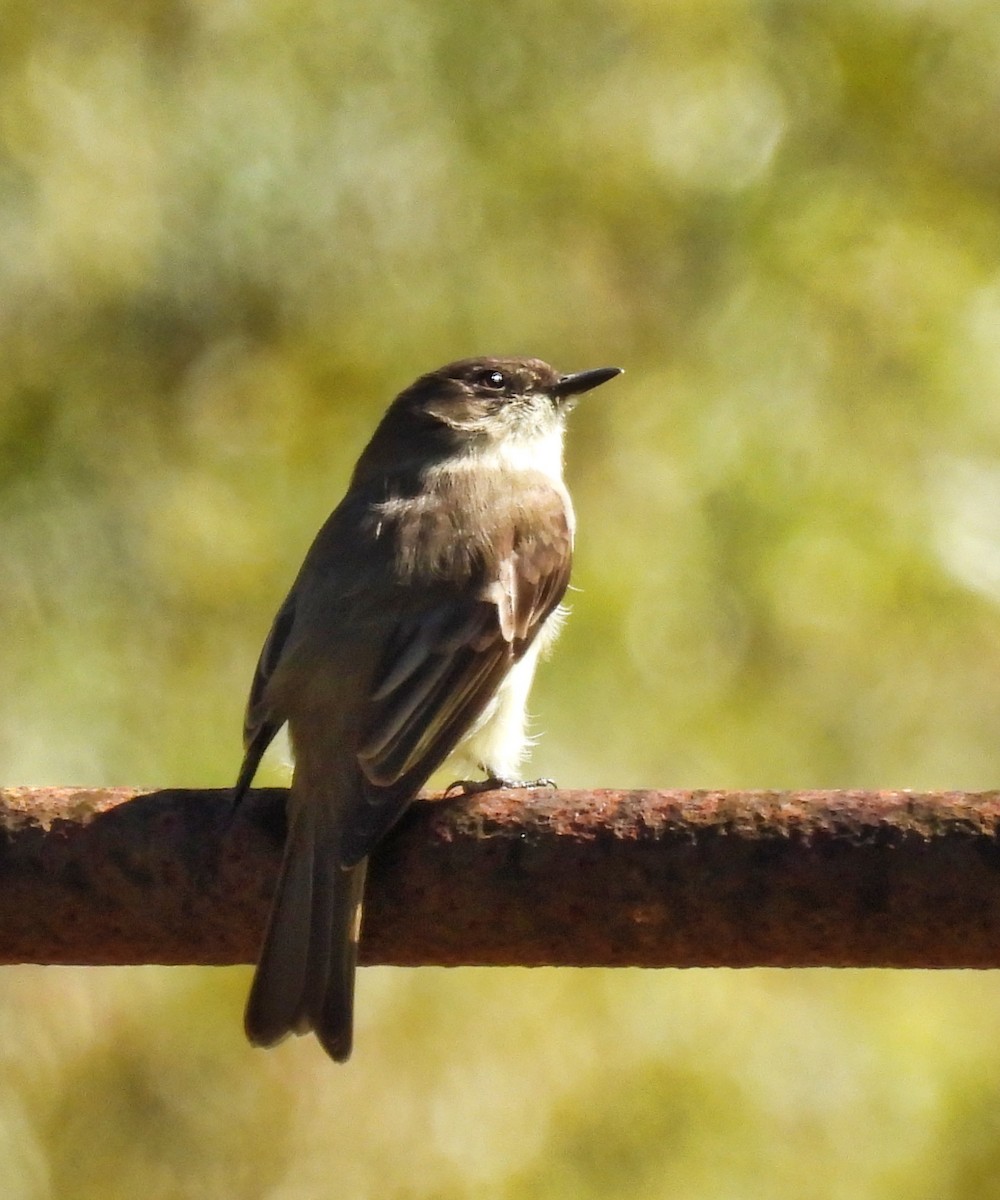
x: 493, y: 379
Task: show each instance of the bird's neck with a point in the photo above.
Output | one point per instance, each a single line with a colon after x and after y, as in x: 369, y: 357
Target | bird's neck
x: 537, y: 451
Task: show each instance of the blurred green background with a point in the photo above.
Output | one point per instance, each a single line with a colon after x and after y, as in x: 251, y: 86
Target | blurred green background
x: 229, y: 233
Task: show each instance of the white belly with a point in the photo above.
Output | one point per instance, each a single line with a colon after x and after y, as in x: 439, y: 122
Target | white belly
x: 499, y: 740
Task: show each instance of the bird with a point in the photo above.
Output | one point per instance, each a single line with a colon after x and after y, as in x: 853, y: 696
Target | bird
x: 409, y: 637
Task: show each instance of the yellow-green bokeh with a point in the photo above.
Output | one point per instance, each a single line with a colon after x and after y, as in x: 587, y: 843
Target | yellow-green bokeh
x: 228, y: 233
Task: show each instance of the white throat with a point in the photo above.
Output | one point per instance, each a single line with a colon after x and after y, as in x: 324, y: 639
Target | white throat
x: 542, y: 452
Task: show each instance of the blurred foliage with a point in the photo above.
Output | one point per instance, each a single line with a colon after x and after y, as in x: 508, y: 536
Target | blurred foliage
x: 230, y: 232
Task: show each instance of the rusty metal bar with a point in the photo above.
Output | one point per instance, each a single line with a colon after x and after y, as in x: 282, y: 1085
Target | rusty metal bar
x: 605, y: 878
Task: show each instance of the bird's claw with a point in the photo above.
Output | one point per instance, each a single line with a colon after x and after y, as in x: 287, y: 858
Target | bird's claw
x: 472, y: 787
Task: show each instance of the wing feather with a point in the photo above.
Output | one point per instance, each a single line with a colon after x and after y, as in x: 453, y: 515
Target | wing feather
x: 259, y: 724
x: 443, y: 666
x: 443, y: 661
x: 446, y: 681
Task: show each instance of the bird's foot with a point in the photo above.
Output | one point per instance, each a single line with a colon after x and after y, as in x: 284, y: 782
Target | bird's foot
x: 472, y: 787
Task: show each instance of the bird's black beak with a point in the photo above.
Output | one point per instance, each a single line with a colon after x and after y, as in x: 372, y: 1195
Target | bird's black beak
x: 584, y: 381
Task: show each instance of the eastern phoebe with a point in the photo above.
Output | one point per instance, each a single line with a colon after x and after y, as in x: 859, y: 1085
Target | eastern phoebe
x: 413, y: 629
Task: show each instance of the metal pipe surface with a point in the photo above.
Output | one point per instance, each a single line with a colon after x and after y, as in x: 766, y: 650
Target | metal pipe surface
x: 562, y: 878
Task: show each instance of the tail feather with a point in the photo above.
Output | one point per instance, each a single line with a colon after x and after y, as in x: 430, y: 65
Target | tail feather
x: 283, y: 963
x: 331, y: 1011
x: 305, y: 974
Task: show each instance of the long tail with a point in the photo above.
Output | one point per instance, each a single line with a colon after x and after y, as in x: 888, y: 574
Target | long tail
x: 305, y: 973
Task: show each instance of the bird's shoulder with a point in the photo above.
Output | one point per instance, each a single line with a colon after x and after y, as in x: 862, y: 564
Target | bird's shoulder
x: 450, y: 524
